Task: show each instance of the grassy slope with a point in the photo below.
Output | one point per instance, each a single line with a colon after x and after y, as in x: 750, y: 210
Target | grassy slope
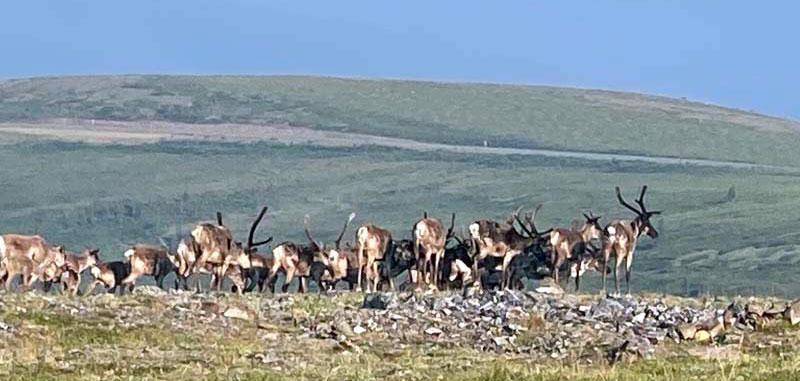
x: 111, y: 196
x: 520, y: 116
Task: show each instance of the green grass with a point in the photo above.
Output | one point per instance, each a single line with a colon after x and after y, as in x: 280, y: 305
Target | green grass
x: 111, y: 196
x: 503, y: 115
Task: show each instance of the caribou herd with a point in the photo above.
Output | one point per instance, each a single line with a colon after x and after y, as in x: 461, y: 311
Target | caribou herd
x: 492, y: 254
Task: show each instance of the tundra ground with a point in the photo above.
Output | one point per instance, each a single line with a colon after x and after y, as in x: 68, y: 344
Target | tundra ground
x: 153, y: 335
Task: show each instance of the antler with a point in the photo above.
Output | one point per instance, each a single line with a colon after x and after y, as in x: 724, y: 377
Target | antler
x: 591, y: 217
x: 640, y: 201
x: 163, y: 243
x: 532, y: 222
x: 308, y: 233
x: 344, y: 229
x: 514, y: 215
x: 452, y: 224
x: 250, y: 243
x: 525, y: 228
x: 625, y: 204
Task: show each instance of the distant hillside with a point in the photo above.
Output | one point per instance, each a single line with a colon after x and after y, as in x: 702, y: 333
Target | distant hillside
x: 501, y: 115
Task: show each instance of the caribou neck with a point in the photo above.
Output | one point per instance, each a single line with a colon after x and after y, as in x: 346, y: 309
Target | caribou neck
x: 636, y: 226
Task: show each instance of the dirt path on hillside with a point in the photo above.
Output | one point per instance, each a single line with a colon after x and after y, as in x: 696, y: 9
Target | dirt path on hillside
x: 149, y: 132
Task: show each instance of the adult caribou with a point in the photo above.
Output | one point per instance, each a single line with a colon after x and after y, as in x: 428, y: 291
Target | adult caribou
x: 431, y: 238
x: 372, y: 242
x: 215, y: 244
x: 502, y: 240
x: 572, y: 245
x: 621, y: 237
x: 295, y: 260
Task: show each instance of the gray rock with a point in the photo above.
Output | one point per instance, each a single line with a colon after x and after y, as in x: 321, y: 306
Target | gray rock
x: 378, y: 300
x: 237, y: 313
x: 433, y: 331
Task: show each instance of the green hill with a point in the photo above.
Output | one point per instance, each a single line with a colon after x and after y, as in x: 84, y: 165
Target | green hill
x: 502, y: 115
x: 116, y: 193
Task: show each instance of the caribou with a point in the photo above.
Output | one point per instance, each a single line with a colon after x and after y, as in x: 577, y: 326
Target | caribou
x: 502, y: 240
x: 14, y: 265
x: 457, y: 263
x: 571, y: 245
x: 621, y: 236
x: 431, y: 238
x: 74, y: 266
x: 372, y: 243
x: 295, y: 260
x: 110, y: 275
x: 342, y: 263
x: 46, y: 258
x: 147, y: 260
x: 215, y: 244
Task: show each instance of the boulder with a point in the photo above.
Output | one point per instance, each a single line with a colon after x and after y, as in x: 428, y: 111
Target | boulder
x: 237, y: 313
x: 378, y: 300
x: 433, y: 331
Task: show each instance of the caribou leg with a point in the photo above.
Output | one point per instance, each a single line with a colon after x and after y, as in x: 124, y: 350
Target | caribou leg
x: 289, y: 276
x: 506, y: 262
x: 437, y: 259
x: 304, y: 284
x: 628, y: 268
x: 616, y: 272
x: 606, y: 255
x: 273, y: 273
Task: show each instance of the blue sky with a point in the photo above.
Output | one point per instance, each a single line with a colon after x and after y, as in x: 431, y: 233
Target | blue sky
x: 739, y: 54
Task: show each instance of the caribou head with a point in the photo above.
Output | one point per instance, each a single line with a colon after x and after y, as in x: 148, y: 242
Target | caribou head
x: 642, y: 221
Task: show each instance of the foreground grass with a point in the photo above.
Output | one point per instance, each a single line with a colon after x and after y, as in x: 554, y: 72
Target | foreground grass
x: 138, y: 337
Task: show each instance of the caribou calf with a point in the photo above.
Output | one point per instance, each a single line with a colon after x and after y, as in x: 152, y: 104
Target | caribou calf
x: 148, y: 260
x: 457, y: 265
x: 74, y: 266
x: 110, y: 275
x: 570, y: 245
x: 12, y: 266
x: 398, y: 259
